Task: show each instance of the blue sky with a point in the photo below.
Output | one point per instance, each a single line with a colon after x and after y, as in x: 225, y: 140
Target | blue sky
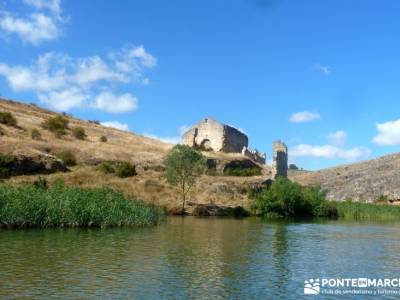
x: 321, y: 75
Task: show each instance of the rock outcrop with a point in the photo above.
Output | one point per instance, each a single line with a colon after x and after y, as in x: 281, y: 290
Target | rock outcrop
x: 366, y: 181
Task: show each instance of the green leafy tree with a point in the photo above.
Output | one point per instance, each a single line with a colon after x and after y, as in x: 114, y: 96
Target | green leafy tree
x: 183, y: 167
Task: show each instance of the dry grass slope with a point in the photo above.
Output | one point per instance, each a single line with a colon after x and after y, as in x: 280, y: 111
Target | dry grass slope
x: 146, y: 153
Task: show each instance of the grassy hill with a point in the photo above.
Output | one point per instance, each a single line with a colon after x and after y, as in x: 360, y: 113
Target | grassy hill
x: 145, y: 153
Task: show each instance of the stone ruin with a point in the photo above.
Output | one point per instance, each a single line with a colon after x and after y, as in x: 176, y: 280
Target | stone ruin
x: 212, y: 135
x: 280, y: 159
x: 255, y: 155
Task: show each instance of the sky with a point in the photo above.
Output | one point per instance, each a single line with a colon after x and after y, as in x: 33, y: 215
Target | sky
x: 323, y: 76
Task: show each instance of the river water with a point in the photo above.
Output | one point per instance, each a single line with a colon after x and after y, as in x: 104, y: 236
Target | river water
x: 194, y: 258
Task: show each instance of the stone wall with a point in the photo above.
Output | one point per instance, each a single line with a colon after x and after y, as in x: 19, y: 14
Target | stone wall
x: 255, y: 155
x: 280, y: 159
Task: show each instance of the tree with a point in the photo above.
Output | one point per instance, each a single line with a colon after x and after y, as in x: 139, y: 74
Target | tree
x: 183, y: 166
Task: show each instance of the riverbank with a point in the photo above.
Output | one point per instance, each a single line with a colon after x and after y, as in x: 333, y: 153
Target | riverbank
x: 27, y: 206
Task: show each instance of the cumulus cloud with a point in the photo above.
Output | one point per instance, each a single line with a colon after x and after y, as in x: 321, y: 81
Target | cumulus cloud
x: 63, y: 82
x: 116, y: 125
x: 112, y: 103
x: 330, y: 152
x: 43, y: 24
x: 337, y: 138
x: 388, y: 133
x: 325, y: 70
x: 304, y: 116
x: 54, y: 6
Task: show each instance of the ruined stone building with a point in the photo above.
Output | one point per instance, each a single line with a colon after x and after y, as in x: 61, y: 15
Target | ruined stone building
x: 212, y: 135
x: 280, y: 159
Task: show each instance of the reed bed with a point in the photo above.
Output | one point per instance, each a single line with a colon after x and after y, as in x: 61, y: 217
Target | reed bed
x: 366, y: 211
x: 60, y: 206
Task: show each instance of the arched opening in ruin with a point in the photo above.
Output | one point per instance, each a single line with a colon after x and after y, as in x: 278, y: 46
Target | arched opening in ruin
x: 205, y: 145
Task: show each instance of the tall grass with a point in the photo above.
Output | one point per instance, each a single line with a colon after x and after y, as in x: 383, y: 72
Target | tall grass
x: 60, y: 206
x: 366, y: 211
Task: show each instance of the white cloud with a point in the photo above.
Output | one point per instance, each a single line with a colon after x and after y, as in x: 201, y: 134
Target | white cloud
x: 337, y: 138
x: 112, y: 103
x: 116, y: 125
x: 64, y: 100
x: 330, y: 152
x: 304, y: 116
x: 169, y: 140
x: 55, y: 76
x: 43, y: 24
x: 53, y: 6
x: 325, y: 70
x: 388, y: 133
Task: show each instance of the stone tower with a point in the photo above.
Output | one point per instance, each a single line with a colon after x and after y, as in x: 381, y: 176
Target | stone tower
x: 280, y: 159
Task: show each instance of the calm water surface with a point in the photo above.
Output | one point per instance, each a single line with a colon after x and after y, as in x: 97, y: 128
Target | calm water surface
x: 193, y: 258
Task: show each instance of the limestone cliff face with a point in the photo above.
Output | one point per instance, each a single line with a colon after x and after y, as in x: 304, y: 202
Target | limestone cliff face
x: 365, y: 181
x: 212, y: 135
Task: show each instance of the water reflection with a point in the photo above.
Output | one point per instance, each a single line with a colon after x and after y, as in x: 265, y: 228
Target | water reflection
x: 193, y: 258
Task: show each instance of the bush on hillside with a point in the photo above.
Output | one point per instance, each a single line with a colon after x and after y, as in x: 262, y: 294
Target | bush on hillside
x: 125, y: 169
x: 8, y: 119
x: 289, y: 199
x: 122, y: 169
x: 79, y: 133
x: 67, y: 157
x: 57, y: 125
x: 35, y: 134
x: 103, y: 139
x: 242, y: 171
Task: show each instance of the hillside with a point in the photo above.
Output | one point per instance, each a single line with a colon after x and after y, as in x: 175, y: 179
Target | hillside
x: 365, y: 181
x: 146, y: 153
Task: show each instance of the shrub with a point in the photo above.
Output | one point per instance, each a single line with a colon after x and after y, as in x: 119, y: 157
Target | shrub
x: 57, y: 125
x: 103, y: 139
x: 122, y: 169
x: 8, y: 119
x: 6, y: 161
x: 35, y: 134
x: 289, y: 199
x: 125, y: 169
x: 106, y: 167
x: 242, y: 171
x: 67, y: 157
x: 61, y: 206
x: 79, y: 133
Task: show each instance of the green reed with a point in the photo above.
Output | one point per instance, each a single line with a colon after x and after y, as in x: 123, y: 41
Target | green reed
x: 61, y: 206
x: 366, y: 211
